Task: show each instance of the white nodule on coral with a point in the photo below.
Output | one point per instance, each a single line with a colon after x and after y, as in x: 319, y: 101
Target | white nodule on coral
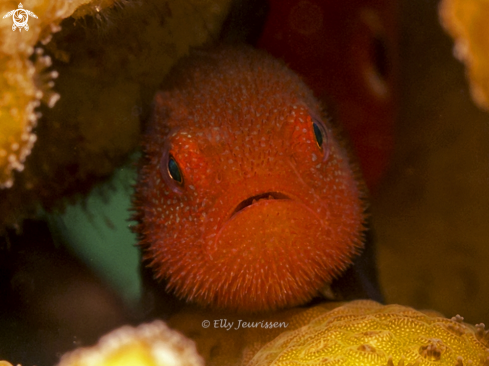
x: 53, y: 99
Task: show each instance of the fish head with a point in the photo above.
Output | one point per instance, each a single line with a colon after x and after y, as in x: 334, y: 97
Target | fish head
x: 247, y: 200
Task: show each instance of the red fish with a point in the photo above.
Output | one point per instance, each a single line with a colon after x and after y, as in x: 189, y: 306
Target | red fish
x: 247, y: 199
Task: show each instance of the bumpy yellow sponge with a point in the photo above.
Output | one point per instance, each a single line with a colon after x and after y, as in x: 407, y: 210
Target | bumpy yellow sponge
x: 466, y: 21
x: 367, y: 333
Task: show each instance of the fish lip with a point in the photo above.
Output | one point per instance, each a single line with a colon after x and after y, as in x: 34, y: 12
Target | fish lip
x: 250, y: 200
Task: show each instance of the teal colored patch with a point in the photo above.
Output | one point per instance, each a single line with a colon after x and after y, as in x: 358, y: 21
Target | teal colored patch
x: 98, y: 231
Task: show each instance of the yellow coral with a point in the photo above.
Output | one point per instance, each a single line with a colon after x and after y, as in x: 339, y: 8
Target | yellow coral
x: 466, y: 21
x: 361, y: 332
x: 151, y: 344
x: 17, y: 117
x: 367, y: 333
x: 19, y: 80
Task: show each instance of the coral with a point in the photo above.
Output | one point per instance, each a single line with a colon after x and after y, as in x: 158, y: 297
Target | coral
x: 466, y: 21
x: 21, y: 81
x: 110, y: 62
x: 367, y: 333
x: 361, y: 332
x: 152, y: 344
x: 5, y: 363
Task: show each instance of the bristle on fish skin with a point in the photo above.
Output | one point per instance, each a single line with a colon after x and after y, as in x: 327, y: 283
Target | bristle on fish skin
x: 246, y: 198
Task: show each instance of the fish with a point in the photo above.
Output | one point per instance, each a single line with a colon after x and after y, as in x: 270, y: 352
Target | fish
x: 247, y: 197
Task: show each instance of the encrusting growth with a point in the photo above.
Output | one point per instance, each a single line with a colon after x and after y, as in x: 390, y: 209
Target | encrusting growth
x: 367, y: 333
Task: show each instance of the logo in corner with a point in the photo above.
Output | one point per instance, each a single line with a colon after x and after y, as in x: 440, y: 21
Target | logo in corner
x: 20, y: 17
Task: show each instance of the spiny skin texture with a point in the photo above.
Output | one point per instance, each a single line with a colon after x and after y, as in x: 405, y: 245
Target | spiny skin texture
x: 370, y: 334
x: 240, y: 126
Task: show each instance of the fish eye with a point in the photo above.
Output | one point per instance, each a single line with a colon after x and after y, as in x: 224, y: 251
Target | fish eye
x: 174, y: 170
x: 318, y: 134
x: 321, y: 135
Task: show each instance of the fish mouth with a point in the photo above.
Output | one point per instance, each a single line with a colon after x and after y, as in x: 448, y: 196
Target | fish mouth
x: 254, y: 199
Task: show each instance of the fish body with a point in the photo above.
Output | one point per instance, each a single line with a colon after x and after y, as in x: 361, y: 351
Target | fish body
x: 246, y: 198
